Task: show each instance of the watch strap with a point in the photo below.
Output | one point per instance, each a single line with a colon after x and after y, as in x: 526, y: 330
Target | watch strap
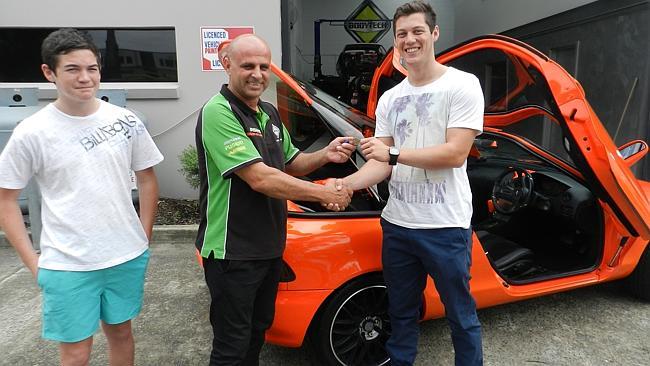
x: 392, y: 158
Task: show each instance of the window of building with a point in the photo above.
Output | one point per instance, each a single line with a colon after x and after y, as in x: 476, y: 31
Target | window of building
x: 128, y: 54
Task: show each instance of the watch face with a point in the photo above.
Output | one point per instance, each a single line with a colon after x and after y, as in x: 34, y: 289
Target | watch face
x: 393, y: 150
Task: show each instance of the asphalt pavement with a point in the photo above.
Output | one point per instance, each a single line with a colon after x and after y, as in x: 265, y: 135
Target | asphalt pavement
x: 592, y: 326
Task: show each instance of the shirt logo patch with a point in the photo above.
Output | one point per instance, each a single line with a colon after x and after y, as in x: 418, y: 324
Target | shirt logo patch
x: 276, y: 131
x: 254, y: 132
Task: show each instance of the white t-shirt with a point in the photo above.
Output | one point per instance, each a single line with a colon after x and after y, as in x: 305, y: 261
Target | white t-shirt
x: 82, y: 166
x: 417, y: 117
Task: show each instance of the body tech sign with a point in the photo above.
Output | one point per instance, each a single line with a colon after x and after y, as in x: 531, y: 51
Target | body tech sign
x: 367, y: 23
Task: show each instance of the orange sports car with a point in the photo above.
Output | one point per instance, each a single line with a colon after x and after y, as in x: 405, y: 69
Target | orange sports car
x: 556, y: 204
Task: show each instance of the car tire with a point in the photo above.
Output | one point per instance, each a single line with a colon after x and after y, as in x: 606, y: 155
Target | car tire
x: 638, y: 283
x: 353, y: 327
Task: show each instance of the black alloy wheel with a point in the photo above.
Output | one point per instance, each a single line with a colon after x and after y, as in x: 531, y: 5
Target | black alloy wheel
x: 354, y: 326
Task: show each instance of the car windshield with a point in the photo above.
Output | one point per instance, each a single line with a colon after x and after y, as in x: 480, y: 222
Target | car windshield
x: 353, y: 115
x: 307, y: 122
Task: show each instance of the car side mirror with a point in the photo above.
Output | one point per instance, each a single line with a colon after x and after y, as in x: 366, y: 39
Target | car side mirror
x: 633, y: 151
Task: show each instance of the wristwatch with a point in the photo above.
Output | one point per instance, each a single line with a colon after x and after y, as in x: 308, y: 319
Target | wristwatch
x: 393, y: 153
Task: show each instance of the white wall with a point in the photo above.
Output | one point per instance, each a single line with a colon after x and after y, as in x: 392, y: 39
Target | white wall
x: 478, y: 17
x: 171, y: 121
x: 334, y: 38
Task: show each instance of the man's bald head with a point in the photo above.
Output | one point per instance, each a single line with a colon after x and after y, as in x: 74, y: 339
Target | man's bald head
x: 247, y: 43
x: 248, y: 64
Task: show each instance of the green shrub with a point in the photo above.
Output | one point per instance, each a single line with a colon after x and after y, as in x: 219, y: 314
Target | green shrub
x: 190, y: 166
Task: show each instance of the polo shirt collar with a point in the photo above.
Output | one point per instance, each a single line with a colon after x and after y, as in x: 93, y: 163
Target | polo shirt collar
x: 232, y: 98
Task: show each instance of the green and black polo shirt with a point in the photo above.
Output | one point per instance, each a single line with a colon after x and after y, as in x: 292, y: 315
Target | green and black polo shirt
x: 236, y: 221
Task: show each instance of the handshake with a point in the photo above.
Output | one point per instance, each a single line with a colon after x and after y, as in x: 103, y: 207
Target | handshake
x: 336, y: 196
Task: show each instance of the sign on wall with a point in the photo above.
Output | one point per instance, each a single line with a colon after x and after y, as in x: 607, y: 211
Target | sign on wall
x: 211, y: 37
x: 367, y: 23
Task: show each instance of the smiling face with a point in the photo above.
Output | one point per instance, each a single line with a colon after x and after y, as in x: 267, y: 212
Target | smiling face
x: 248, y: 67
x: 76, y: 77
x: 414, y: 40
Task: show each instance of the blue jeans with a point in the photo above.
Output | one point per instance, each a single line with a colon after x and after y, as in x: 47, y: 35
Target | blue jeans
x: 408, y: 256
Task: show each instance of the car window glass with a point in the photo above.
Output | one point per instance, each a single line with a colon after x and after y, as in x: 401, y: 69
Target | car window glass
x: 543, y: 132
x: 508, y: 82
x: 307, y: 130
x: 496, y: 146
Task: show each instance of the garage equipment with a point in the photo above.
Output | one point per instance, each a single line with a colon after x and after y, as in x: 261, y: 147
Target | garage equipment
x: 354, y: 66
x: 17, y: 104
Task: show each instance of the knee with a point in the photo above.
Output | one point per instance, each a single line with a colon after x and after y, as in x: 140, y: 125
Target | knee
x: 75, y: 354
x: 118, y: 332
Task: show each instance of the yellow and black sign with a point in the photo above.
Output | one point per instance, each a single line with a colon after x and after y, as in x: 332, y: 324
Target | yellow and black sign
x: 367, y: 23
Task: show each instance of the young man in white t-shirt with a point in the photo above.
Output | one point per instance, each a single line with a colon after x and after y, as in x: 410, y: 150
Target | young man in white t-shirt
x: 425, y: 128
x: 94, y: 248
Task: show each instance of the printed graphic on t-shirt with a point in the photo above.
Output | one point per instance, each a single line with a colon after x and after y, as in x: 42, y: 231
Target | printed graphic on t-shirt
x: 412, y: 116
x: 126, y: 126
x: 426, y: 192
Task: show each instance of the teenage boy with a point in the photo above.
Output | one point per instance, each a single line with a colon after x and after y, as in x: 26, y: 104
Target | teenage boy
x: 425, y: 128
x: 94, y: 248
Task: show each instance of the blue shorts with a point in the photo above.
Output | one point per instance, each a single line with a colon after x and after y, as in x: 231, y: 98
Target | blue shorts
x: 75, y: 301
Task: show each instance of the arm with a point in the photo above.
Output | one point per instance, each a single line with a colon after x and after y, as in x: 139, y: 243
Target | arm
x: 11, y: 221
x: 275, y: 183
x: 148, y: 193
x: 372, y: 172
x: 451, y: 154
x: 337, y: 151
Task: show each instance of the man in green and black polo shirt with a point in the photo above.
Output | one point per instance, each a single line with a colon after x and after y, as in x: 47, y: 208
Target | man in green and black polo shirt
x: 247, y: 163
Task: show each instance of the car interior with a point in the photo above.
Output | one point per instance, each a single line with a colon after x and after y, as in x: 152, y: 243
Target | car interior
x: 533, y: 220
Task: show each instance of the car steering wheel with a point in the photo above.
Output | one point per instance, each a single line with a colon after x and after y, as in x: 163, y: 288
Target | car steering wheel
x: 512, y: 191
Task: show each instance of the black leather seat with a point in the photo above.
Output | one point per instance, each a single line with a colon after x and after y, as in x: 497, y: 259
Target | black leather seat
x: 510, y: 259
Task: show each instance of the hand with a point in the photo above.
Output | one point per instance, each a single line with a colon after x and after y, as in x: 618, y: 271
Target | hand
x: 373, y: 148
x: 340, y: 149
x: 338, y: 196
x: 32, y: 264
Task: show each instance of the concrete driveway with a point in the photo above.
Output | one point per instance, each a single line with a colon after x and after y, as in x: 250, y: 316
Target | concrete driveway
x: 592, y: 326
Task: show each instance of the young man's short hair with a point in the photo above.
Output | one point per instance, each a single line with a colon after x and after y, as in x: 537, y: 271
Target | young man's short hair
x: 63, y: 41
x: 414, y: 7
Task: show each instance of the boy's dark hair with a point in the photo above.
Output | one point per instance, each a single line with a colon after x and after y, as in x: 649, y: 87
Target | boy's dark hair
x: 65, y: 40
x: 414, y: 7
